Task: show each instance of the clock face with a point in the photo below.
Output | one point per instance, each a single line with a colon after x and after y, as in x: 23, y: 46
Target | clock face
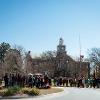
x: 63, y: 48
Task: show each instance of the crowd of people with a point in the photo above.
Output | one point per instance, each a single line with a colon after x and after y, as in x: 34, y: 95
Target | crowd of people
x: 43, y: 81
x: 77, y: 82
x: 38, y: 81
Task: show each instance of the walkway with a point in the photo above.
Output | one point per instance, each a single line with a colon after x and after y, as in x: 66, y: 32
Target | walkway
x: 70, y: 94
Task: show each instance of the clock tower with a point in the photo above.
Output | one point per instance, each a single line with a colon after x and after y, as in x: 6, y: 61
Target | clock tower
x: 61, y: 48
x: 61, y: 58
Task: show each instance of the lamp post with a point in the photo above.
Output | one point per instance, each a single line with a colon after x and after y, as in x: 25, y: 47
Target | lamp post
x: 67, y: 69
x: 95, y: 70
x: 81, y: 58
x: 75, y: 71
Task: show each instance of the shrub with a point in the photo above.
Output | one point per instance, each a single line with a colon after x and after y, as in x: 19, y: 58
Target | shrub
x: 15, y: 90
x: 34, y: 91
x: 9, y: 92
x: 25, y: 90
x: 30, y: 91
x: 12, y: 91
x: 2, y: 92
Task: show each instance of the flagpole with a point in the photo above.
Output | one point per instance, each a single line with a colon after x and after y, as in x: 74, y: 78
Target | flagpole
x: 79, y: 56
x: 80, y: 44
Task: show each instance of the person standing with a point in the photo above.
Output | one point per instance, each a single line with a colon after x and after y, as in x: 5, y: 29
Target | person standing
x: 6, y: 80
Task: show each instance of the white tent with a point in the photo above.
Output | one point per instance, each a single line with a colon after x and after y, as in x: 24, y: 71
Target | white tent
x: 30, y: 74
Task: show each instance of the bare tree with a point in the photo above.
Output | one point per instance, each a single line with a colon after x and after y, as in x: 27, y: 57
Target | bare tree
x: 94, y: 57
x: 13, y: 61
x: 28, y: 63
x: 21, y: 51
x: 48, y: 54
x: 4, y: 47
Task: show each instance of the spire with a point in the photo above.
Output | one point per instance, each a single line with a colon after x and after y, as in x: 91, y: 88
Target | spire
x: 61, y: 41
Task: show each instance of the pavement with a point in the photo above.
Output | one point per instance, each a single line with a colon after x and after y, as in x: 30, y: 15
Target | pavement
x: 69, y: 94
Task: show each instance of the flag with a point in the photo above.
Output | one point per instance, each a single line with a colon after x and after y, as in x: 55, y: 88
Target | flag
x: 81, y: 57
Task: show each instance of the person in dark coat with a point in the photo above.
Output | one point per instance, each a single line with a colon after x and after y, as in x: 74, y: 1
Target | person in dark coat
x: 6, y: 80
x: 30, y: 81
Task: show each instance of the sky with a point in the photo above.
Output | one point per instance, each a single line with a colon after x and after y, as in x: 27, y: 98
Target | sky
x: 37, y: 25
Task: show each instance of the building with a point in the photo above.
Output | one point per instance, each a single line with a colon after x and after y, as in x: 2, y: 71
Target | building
x: 61, y: 65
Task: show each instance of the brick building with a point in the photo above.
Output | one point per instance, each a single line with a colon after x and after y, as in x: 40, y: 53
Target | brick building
x: 61, y: 65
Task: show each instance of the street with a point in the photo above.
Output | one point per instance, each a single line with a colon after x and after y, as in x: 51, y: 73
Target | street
x: 70, y: 94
